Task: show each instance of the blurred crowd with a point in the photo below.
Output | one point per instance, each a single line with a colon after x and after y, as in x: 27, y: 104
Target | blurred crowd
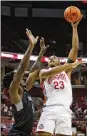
x: 6, y: 110
x: 79, y: 108
x: 81, y: 127
x: 79, y: 116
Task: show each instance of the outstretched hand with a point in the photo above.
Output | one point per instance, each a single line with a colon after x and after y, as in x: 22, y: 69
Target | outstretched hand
x: 77, y: 63
x: 75, y: 24
x: 42, y: 45
x: 32, y: 39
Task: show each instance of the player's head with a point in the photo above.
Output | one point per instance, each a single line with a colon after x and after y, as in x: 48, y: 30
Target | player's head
x: 53, y: 61
x: 8, y: 79
x: 6, y: 84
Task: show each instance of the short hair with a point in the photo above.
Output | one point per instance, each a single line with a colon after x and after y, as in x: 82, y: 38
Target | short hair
x: 8, y: 79
x: 53, y: 56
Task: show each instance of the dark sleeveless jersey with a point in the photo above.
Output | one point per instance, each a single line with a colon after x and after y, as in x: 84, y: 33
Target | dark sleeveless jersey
x: 24, y: 118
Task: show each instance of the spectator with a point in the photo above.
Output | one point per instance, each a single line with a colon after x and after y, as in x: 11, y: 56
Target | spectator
x: 5, y: 110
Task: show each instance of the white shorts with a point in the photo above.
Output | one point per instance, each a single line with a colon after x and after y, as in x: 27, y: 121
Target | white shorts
x: 52, y: 122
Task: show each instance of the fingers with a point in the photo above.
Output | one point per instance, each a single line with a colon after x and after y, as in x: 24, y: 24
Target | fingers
x: 42, y: 40
x: 83, y: 64
x: 28, y: 32
x: 79, y: 63
x: 37, y: 38
x: 47, y: 46
x: 75, y: 24
x: 80, y: 19
x: 71, y: 23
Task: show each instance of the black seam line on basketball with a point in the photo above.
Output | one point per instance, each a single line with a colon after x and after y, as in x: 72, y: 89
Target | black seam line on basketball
x: 66, y: 16
x: 70, y: 14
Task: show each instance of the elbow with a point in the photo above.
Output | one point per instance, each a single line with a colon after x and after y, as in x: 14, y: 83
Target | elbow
x: 75, y: 48
x: 45, y: 74
x: 28, y: 86
x: 42, y: 75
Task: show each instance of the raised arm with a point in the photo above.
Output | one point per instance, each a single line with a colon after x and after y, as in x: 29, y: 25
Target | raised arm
x: 34, y: 71
x: 75, y: 43
x: 75, y: 46
x: 43, y: 49
x: 15, y: 84
x: 50, y: 72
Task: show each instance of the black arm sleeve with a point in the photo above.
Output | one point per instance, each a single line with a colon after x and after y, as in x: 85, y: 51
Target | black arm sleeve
x: 69, y: 60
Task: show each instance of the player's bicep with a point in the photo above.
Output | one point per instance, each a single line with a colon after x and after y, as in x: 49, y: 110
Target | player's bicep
x: 14, y: 97
x: 17, y: 77
x: 73, y: 54
x: 69, y: 71
x: 44, y: 73
x: 49, y: 72
x: 13, y: 92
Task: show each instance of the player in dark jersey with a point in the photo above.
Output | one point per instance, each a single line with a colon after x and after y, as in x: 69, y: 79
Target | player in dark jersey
x: 24, y: 116
x: 22, y: 104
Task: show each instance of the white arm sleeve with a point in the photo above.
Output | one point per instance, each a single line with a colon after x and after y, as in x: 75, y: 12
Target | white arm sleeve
x: 19, y: 106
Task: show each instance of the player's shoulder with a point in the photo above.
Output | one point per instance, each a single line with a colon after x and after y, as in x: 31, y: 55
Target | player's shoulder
x: 43, y: 70
x: 41, y: 73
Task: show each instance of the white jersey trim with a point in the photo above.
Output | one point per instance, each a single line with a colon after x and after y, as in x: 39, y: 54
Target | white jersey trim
x: 19, y: 106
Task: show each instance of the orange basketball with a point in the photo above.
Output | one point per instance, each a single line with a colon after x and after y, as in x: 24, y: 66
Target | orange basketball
x: 72, y: 14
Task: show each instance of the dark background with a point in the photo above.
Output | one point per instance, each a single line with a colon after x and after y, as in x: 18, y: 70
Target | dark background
x: 52, y: 29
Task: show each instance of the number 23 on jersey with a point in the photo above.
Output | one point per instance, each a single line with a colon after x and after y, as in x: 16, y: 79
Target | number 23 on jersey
x: 59, y: 85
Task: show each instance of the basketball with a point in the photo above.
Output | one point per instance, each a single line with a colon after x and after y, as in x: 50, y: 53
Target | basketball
x: 72, y: 14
